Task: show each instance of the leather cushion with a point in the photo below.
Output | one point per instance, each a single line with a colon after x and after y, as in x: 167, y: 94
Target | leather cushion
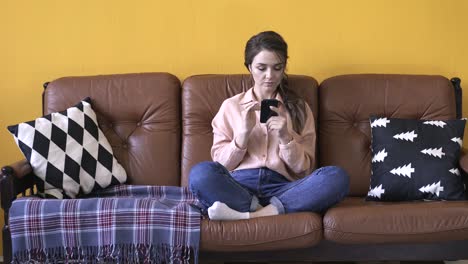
x: 202, y: 96
x: 347, y: 102
x: 262, y: 233
x: 138, y: 113
x: 355, y: 221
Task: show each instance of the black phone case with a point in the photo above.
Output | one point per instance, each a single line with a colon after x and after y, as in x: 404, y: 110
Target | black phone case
x: 265, y: 111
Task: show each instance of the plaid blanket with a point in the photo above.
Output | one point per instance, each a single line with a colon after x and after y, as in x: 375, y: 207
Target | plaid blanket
x: 122, y: 224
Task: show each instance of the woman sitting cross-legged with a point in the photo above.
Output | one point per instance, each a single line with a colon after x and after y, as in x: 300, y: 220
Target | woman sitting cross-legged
x: 263, y: 169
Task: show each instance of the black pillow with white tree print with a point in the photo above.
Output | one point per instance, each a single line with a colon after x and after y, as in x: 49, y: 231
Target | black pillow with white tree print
x: 416, y: 160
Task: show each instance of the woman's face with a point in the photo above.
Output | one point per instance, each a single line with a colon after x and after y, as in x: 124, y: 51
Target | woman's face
x: 267, y: 71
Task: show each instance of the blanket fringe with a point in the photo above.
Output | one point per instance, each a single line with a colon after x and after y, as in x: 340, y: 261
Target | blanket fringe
x: 128, y: 253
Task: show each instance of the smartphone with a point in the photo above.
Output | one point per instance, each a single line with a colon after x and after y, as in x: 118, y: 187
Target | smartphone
x: 265, y: 111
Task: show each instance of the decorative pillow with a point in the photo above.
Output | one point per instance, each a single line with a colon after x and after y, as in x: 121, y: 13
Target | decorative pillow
x: 416, y: 160
x: 68, y: 152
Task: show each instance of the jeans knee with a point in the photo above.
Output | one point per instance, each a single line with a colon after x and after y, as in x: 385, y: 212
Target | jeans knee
x: 340, y: 178
x: 203, y: 173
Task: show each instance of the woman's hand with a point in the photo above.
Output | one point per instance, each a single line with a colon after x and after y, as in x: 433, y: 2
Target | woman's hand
x: 279, y: 125
x: 248, y: 117
x: 249, y: 121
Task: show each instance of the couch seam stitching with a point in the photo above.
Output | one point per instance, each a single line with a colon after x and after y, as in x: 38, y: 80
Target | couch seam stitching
x: 392, y: 234
x: 270, y: 241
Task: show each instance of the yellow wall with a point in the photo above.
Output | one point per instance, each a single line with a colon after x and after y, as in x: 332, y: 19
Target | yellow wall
x: 47, y: 39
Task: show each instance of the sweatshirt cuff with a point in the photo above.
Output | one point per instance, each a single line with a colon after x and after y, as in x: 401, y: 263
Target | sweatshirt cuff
x: 235, y: 150
x: 288, y: 146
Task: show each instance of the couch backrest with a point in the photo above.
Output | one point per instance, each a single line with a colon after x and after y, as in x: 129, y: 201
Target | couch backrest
x: 202, y: 96
x: 347, y: 101
x: 138, y: 113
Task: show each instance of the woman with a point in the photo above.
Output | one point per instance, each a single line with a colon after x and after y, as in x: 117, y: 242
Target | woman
x: 263, y: 169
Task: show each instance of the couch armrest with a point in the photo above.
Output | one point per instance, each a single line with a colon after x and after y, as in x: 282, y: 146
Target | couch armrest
x: 18, y: 169
x: 464, y: 160
x: 15, y: 179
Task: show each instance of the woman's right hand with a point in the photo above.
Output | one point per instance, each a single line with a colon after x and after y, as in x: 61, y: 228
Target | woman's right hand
x: 248, y: 116
x: 249, y: 121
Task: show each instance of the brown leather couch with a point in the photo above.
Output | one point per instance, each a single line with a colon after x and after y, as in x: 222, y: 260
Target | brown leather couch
x: 159, y: 129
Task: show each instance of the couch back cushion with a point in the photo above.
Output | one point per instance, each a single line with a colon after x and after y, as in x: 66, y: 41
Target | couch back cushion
x: 202, y: 95
x: 346, y: 102
x: 138, y: 113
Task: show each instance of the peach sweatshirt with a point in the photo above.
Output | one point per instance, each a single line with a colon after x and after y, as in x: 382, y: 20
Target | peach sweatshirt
x: 293, y: 160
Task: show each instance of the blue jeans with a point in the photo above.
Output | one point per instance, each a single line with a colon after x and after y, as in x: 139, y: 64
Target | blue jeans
x: 243, y: 190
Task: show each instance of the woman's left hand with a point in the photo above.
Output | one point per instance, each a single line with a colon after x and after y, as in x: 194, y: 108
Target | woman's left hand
x: 279, y: 125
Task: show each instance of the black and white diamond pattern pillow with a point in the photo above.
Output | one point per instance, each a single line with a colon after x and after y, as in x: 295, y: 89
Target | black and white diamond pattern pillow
x: 416, y: 160
x: 68, y: 152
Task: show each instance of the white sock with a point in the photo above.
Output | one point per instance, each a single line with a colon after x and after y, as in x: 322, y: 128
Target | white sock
x: 268, y: 210
x: 220, y: 211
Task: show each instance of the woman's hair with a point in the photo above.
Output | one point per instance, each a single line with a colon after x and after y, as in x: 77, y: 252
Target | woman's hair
x: 272, y: 41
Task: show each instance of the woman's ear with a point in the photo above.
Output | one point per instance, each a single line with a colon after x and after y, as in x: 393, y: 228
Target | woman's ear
x: 250, y: 67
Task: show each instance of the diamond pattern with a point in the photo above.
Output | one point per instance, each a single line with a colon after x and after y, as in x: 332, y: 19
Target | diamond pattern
x: 88, y: 162
x: 75, y: 131
x: 72, y: 168
x: 41, y: 144
x: 90, y: 127
x: 68, y: 152
x: 105, y: 158
x: 54, y: 176
x: 59, y: 137
x: 25, y: 149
